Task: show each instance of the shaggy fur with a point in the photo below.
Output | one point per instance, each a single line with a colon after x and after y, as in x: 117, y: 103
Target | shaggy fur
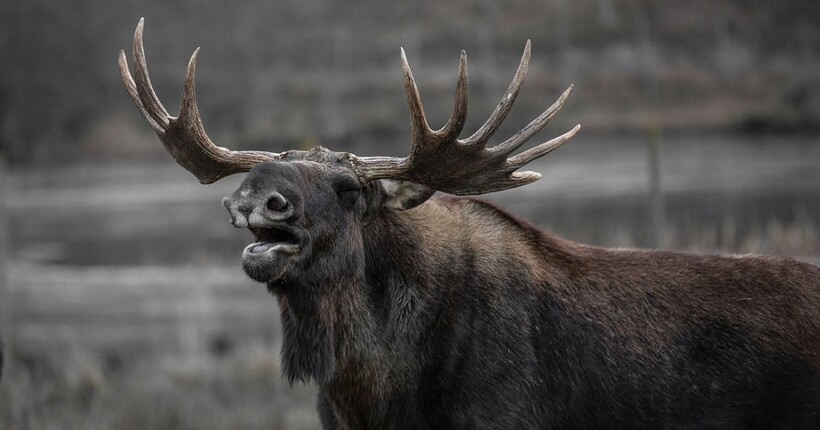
x: 455, y: 314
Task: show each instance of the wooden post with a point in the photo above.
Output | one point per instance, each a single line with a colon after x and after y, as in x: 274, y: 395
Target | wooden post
x: 654, y: 126
x: 654, y: 142
x: 487, y: 37
x: 5, y: 293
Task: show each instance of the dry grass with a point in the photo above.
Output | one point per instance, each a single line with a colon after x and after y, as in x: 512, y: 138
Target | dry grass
x: 138, y: 348
x: 244, y: 392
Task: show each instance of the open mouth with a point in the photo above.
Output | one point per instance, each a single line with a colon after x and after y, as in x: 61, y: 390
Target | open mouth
x: 272, y: 239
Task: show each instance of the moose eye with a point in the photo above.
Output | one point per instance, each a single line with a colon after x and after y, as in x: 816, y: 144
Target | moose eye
x: 349, y: 196
x: 348, y: 190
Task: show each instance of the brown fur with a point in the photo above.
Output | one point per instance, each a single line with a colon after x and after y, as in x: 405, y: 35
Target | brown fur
x: 640, y: 295
x: 454, y: 313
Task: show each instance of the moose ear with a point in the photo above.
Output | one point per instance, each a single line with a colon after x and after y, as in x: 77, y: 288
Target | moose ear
x: 404, y: 195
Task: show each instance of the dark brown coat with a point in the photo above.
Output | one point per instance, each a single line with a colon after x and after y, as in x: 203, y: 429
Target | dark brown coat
x: 455, y: 314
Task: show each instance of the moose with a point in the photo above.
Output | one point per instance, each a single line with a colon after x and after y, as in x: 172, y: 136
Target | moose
x: 415, y: 311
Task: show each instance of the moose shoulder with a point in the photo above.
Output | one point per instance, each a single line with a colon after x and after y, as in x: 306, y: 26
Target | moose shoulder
x: 414, y: 311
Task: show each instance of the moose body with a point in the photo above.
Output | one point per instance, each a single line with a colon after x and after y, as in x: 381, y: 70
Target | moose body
x: 456, y: 314
x: 468, y: 318
x: 418, y: 312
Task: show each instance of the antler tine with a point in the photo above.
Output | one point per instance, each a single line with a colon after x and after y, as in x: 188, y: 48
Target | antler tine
x: 184, y: 137
x: 486, y: 131
x: 517, y: 179
x: 131, y: 87
x: 455, y: 124
x: 145, y: 90
x: 542, y: 149
x: 420, y: 130
x: 188, y: 110
x: 533, y: 127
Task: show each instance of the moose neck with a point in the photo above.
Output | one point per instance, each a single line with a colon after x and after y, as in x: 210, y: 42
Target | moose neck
x: 369, y: 322
x: 342, y: 321
x: 322, y: 313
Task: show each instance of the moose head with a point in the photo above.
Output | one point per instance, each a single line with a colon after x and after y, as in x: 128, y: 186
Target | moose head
x: 306, y: 208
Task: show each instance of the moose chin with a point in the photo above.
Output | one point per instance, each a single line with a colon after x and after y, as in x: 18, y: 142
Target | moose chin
x: 414, y: 311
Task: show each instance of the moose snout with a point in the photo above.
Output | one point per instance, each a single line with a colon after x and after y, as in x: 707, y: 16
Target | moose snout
x: 258, y: 210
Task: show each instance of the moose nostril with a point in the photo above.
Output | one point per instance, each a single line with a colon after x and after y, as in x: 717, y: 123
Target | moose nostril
x: 277, y: 203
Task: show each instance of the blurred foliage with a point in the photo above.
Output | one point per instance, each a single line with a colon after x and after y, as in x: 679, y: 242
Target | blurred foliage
x: 279, y: 74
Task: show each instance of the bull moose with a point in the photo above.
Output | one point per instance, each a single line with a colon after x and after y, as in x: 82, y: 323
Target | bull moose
x: 413, y: 311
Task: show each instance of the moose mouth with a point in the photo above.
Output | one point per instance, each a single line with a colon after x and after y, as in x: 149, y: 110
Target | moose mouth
x: 273, y: 239
x: 269, y: 257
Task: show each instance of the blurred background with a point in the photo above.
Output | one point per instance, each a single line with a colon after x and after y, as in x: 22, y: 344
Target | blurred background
x: 123, y: 303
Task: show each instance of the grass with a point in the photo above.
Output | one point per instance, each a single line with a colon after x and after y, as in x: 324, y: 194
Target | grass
x: 244, y: 392
x: 150, y: 347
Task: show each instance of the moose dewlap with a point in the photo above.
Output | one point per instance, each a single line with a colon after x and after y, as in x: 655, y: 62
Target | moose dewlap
x: 413, y: 311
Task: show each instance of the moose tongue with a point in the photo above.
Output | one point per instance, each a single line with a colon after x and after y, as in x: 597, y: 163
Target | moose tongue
x: 261, y: 247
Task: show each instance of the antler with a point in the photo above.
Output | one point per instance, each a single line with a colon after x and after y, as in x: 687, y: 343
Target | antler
x: 184, y: 136
x: 439, y: 160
